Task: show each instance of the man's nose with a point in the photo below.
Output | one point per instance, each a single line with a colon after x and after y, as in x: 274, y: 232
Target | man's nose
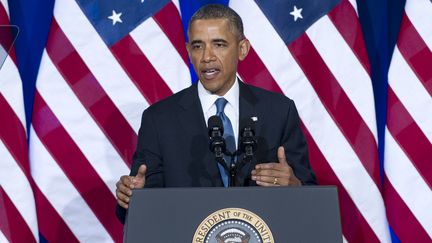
x: 208, y: 55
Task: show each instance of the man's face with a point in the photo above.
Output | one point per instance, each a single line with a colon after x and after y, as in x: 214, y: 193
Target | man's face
x: 215, y: 51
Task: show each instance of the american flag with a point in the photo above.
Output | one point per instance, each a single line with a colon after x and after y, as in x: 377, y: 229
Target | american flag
x: 314, y: 53
x: 18, y: 222
x: 408, y: 154
x: 105, y: 61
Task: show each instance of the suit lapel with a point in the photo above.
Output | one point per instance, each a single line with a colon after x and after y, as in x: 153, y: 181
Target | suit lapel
x: 191, y: 119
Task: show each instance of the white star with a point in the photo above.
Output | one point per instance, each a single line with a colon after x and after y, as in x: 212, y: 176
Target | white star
x: 115, y: 17
x: 296, y: 13
x: 142, y: 1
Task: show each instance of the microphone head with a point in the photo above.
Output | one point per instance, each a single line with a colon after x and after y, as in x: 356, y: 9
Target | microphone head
x: 248, y: 141
x: 214, y: 126
x: 247, y: 125
x: 215, y: 131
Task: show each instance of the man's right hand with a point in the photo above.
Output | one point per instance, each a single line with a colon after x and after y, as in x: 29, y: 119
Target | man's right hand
x: 127, y: 183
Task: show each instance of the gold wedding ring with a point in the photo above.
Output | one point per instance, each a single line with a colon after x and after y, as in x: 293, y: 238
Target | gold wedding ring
x: 275, y: 181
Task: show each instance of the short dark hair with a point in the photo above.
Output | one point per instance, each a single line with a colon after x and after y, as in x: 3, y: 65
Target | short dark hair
x: 219, y: 11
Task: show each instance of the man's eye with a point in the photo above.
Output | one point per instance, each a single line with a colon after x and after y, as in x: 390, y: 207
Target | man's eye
x: 197, y: 46
x: 220, y: 44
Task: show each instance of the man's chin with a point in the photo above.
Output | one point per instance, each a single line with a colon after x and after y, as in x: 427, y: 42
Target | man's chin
x: 211, y: 87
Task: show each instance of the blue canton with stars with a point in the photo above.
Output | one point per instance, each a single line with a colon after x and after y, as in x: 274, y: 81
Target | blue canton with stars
x: 133, y: 13
x: 279, y: 14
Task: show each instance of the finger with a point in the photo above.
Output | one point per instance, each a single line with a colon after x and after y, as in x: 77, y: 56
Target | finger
x: 122, y: 204
x: 277, y: 180
x: 267, y: 166
x: 141, y: 172
x: 139, y: 180
x: 266, y: 184
x: 273, y: 166
x: 267, y: 179
x: 281, y: 155
x: 125, y: 180
x: 125, y: 189
x: 271, y: 173
x: 122, y: 199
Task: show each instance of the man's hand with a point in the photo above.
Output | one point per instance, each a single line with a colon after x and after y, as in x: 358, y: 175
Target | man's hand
x: 275, y: 174
x: 127, y: 183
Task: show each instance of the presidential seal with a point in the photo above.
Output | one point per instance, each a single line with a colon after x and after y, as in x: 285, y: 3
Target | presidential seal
x: 233, y: 225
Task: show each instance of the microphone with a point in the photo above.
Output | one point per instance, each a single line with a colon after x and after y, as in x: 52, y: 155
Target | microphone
x: 248, y: 142
x: 217, y: 142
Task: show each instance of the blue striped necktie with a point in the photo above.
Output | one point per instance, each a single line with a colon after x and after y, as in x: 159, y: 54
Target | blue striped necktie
x: 228, y: 136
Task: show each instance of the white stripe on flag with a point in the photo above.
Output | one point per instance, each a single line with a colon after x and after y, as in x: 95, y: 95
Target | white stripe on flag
x: 177, y: 4
x: 104, y: 65
x: 5, y: 5
x: 11, y: 88
x: 3, y: 238
x: 346, y: 68
x: 17, y: 187
x: 411, y: 93
x: 420, y: 14
x: 167, y: 61
x: 354, y: 4
x: 344, y: 240
x: 63, y: 196
x: 408, y: 183
x: 79, y: 124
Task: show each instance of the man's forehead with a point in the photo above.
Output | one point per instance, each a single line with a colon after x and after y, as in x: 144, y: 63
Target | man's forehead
x: 221, y: 23
x: 208, y: 26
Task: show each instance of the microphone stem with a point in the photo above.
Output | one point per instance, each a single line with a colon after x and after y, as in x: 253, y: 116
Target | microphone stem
x: 232, y: 171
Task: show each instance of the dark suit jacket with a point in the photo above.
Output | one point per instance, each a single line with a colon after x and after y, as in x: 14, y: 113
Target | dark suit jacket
x: 173, y: 140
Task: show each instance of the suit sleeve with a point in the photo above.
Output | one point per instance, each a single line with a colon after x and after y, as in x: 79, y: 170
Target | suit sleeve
x: 147, y: 152
x: 296, y: 149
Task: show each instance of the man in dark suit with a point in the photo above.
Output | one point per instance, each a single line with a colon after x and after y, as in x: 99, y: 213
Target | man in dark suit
x: 173, y: 140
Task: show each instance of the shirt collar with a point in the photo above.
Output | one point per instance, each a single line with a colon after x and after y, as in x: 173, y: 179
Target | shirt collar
x: 208, y: 99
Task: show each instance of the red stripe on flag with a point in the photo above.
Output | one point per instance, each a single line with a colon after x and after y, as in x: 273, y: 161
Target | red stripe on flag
x: 403, y: 222
x: 12, y: 134
x: 415, y: 52
x: 140, y: 70
x: 12, y: 224
x: 90, y: 93
x: 169, y: 20
x: 254, y: 72
x: 354, y: 226
x: 338, y: 105
x: 4, y: 18
x: 345, y: 19
x: 69, y: 157
x: 409, y: 136
x: 51, y: 224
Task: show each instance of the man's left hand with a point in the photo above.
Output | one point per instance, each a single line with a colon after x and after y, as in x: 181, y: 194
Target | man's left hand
x: 275, y: 174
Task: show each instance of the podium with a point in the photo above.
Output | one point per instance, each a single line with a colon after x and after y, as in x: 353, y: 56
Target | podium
x: 240, y: 214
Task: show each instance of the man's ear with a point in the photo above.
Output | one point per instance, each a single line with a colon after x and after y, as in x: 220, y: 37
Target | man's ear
x: 244, y: 47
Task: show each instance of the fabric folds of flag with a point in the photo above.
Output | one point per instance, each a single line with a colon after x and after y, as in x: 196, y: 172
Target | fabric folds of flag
x: 104, y: 63
x: 18, y: 221
x: 313, y: 52
x: 408, y: 134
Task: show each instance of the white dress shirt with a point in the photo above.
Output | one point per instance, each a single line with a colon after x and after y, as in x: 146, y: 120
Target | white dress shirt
x: 208, y: 100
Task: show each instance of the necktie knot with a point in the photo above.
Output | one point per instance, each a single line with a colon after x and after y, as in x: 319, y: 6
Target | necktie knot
x: 220, y: 105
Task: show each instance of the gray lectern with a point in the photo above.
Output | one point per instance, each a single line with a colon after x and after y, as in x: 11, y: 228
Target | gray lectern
x: 244, y: 214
